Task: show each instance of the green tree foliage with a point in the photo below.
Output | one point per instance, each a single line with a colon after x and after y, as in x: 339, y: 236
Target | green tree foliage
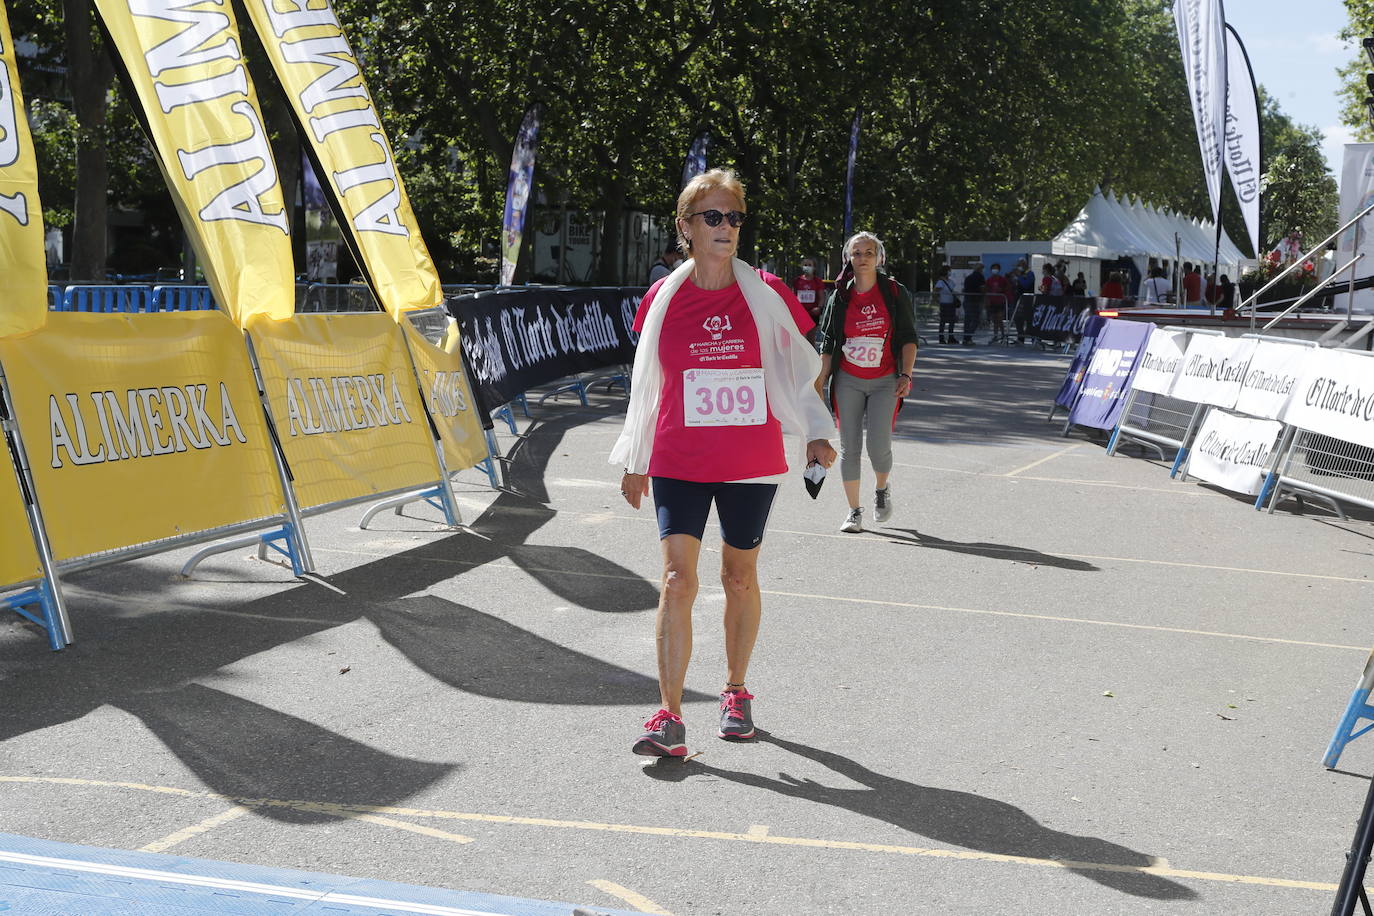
x: 982, y: 118
x: 1354, y: 113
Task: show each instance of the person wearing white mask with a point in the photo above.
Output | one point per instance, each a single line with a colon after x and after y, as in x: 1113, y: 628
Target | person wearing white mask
x: 810, y: 289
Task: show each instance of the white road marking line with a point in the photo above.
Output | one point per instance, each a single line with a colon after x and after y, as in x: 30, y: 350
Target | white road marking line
x: 1036, y: 464
x: 413, y: 828
x: 636, y: 900
x: 226, y: 884
x: 182, y: 836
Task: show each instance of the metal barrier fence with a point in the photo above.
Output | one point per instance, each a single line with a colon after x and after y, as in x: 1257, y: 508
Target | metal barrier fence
x: 1315, y: 466
x: 1159, y: 421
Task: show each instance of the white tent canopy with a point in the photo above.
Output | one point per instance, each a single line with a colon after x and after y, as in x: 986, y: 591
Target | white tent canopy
x: 1124, y: 229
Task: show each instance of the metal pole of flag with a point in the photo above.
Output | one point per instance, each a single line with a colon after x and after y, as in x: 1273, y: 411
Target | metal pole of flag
x: 849, y: 175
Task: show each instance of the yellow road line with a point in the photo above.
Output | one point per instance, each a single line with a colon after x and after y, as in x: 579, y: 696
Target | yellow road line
x: 343, y: 810
x: 1040, y: 461
x: 182, y: 836
x: 636, y: 900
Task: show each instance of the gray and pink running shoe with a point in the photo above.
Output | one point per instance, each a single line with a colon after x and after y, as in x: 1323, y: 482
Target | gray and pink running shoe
x: 664, y: 736
x: 736, y: 718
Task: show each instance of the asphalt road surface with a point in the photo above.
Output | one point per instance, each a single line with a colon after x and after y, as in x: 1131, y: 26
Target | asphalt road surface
x: 1055, y: 682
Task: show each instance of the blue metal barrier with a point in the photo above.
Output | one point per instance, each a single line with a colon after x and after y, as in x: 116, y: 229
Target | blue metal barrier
x: 106, y: 299
x: 182, y: 298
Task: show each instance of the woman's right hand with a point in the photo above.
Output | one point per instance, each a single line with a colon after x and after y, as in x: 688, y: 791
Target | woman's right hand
x: 634, y: 487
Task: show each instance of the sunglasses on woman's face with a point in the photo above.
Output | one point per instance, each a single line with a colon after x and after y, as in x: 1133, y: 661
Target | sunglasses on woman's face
x: 712, y: 218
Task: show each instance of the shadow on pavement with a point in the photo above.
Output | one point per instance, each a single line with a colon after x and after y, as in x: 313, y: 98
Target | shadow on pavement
x: 946, y: 816
x: 141, y: 651
x: 1023, y: 555
x: 960, y: 396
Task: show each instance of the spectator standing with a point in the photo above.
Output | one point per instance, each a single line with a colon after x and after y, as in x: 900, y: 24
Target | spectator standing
x: 997, y: 288
x: 1079, y: 287
x: 1050, y: 284
x: 1025, y: 286
x: 948, y: 303
x: 810, y: 289
x: 1226, y: 296
x: 1113, y: 288
x: 1192, y: 285
x: 1156, y: 288
x: 665, y: 263
x: 974, y: 284
x: 1289, y: 247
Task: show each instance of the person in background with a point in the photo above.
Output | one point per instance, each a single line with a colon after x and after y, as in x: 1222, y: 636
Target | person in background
x: 1113, y: 288
x: 997, y: 288
x: 948, y: 302
x: 1192, y: 285
x: 1079, y: 286
x: 1226, y: 296
x: 665, y: 263
x: 1025, y: 286
x: 1156, y: 288
x: 973, y: 302
x: 1050, y: 284
x: 810, y: 289
x: 867, y: 340
x: 721, y: 372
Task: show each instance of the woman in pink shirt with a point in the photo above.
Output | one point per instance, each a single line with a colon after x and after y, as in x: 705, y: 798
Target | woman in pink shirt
x: 720, y: 374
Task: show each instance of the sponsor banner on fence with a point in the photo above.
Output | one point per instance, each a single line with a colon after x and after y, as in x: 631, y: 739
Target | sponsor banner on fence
x: 1161, y: 361
x: 191, y: 83
x: 140, y: 427
x: 22, y: 258
x: 1109, y: 374
x: 324, y: 85
x: 18, y: 558
x: 1233, y: 452
x: 522, y: 339
x: 444, y: 382
x: 1335, y: 397
x: 347, y: 410
x: 1058, y: 318
x: 1079, y: 367
x: 1272, y: 377
x: 1213, y: 370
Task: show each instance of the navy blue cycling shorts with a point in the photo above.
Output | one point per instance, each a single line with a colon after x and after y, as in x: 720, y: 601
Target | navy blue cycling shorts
x: 741, y: 508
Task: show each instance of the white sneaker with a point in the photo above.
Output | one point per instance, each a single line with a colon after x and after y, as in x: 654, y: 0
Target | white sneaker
x: 854, y: 522
x: 882, y: 504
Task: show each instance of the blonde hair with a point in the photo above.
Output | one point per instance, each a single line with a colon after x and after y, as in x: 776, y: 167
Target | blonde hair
x: 877, y: 242
x: 699, y: 187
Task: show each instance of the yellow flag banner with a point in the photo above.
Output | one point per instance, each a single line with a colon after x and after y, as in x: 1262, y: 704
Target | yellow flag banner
x: 23, y: 263
x: 343, y: 397
x: 184, y: 63
x: 447, y: 396
x: 324, y: 85
x: 140, y: 428
x: 18, y: 558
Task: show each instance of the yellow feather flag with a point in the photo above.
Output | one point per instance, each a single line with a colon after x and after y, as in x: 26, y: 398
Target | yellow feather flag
x: 186, y: 68
x: 324, y: 84
x: 24, y: 306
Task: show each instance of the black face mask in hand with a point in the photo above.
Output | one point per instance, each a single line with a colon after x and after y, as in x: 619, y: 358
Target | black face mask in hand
x: 813, y: 477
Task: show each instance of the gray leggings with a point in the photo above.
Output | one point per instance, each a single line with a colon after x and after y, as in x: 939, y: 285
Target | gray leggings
x: 864, y: 404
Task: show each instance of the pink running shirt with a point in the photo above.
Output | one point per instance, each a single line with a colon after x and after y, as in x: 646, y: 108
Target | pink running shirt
x: 867, y: 350
x: 714, y: 423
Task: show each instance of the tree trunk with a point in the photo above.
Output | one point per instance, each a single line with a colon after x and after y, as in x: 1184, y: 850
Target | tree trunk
x: 609, y: 269
x: 89, y: 72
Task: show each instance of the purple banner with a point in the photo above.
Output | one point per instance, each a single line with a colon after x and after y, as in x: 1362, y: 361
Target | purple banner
x: 518, y: 191
x: 1110, y: 369
x: 1079, y: 367
x: 849, y: 174
x: 695, y: 163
